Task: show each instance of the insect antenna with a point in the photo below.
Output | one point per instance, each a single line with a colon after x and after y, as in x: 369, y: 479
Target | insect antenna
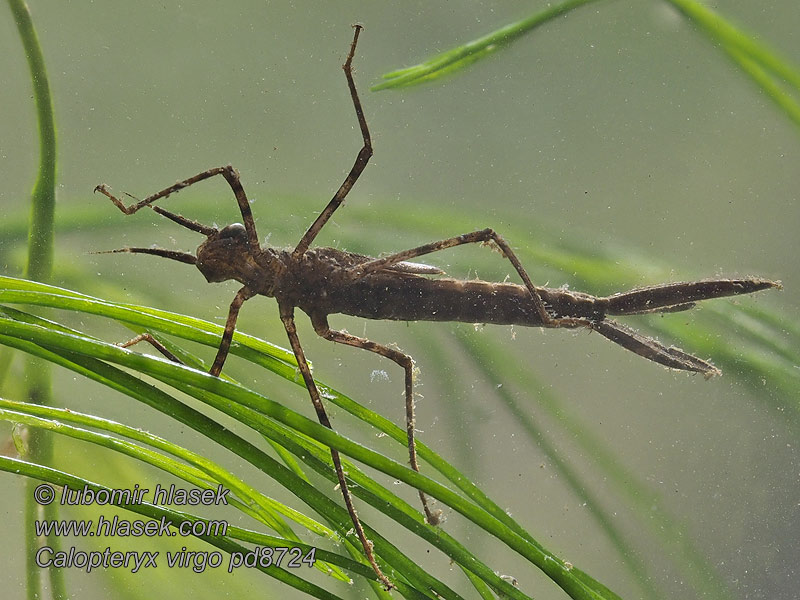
x: 183, y: 257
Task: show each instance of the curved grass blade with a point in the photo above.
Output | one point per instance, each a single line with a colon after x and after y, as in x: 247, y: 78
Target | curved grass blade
x: 43, y: 198
x: 39, y: 266
x: 465, y: 55
x: 758, y: 61
x: 154, y: 397
x: 226, y: 543
x: 162, y: 402
x: 196, y: 470
x: 176, y: 374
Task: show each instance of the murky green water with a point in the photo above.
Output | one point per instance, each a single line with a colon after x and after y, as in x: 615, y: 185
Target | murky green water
x: 619, y: 129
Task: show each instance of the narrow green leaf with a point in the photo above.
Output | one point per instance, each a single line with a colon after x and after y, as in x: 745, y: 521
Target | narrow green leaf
x: 473, y: 51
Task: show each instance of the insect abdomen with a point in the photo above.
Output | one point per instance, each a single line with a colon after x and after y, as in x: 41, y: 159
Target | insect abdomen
x: 413, y: 298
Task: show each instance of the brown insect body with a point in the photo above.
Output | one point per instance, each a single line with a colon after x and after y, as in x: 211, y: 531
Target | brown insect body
x: 325, y: 281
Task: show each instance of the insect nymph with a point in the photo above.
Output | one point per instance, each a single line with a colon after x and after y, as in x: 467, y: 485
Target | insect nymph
x: 325, y: 281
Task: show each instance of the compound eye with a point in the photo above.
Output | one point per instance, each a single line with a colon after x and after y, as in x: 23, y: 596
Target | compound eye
x: 234, y: 230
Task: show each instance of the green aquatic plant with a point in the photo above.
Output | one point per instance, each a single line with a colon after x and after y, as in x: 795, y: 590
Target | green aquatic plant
x: 777, y: 77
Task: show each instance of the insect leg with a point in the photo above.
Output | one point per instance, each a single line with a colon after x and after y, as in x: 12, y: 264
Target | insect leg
x: 482, y: 236
x: 146, y: 337
x: 287, y: 316
x: 230, y: 326
x: 228, y: 172
x: 224, y: 347
x: 320, y: 323
x: 361, y: 160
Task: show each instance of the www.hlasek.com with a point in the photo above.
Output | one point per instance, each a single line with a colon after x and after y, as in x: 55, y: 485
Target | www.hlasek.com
x: 46, y: 556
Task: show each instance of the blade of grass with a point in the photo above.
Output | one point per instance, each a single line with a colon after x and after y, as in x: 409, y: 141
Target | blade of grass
x: 258, y: 351
x: 154, y: 397
x: 758, y: 61
x: 113, y: 377
x: 200, y: 471
x: 469, y: 53
x: 287, y: 458
x: 731, y: 37
x: 43, y: 198
x: 176, y: 374
x: 317, y: 456
x: 39, y: 266
x: 226, y: 543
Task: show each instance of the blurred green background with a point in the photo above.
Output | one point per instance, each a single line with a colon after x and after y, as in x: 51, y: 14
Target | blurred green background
x: 619, y: 129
